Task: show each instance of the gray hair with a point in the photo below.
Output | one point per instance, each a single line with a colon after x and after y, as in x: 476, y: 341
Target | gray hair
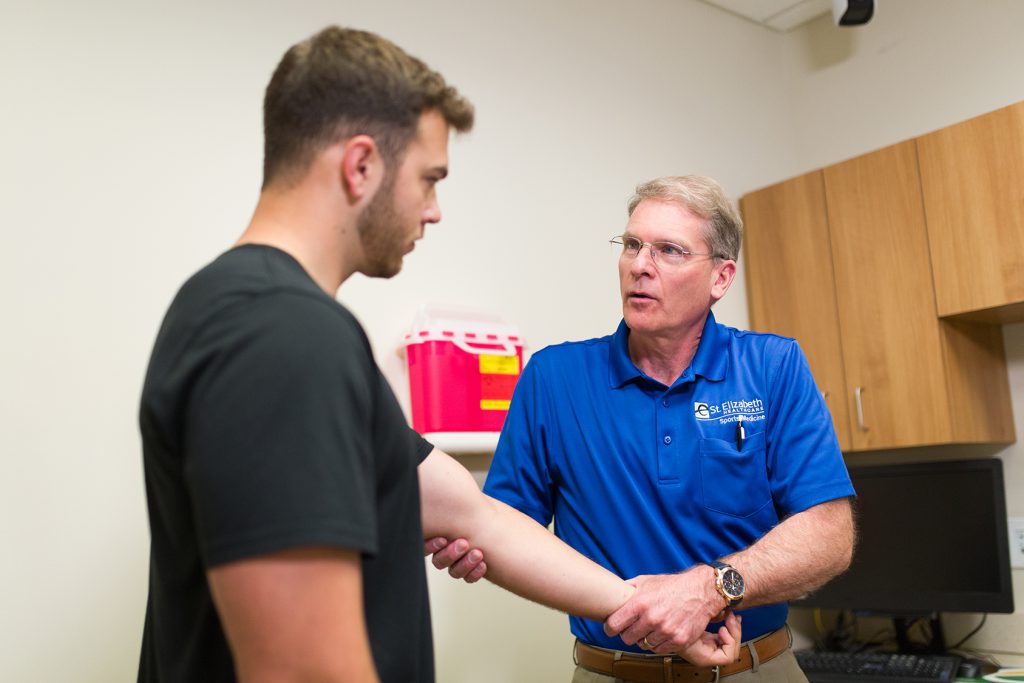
x: 723, y: 230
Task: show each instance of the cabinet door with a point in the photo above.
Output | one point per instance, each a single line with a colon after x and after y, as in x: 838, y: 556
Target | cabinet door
x: 891, y: 344
x: 972, y: 178
x: 790, y: 284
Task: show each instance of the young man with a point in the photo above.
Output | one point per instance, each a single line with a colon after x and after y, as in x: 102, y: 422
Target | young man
x: 288, y: 499
x: 713, y: 441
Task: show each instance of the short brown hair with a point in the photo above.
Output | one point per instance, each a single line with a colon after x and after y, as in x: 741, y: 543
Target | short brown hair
x: 705, y: 197
x: 343, y: 82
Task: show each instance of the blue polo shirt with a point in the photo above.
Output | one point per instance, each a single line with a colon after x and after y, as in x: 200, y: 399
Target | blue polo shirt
x: 647, y: 479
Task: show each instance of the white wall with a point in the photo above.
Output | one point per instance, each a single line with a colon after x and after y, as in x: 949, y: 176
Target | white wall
x: 130, y: 156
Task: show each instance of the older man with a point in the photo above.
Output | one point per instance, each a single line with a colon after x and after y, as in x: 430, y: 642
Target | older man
x: 697, y: 458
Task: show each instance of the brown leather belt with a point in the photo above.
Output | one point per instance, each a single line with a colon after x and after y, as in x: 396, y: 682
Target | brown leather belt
x: 673, y: 669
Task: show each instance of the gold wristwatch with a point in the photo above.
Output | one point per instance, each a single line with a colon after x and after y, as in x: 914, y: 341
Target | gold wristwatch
x: 728, y: 583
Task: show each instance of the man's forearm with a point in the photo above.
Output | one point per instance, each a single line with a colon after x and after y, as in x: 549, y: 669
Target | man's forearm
x: 522, y: 556
x: 529, y: 560
x: 799, y: 555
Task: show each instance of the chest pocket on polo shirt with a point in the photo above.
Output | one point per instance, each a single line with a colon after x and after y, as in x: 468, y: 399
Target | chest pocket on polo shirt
x: 734, y: 482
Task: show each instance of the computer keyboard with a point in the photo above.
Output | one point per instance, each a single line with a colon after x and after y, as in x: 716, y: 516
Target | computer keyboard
x: 837, y: 667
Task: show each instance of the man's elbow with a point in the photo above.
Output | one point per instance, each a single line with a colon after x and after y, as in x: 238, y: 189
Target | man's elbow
x: 845, y: 540
x: 844, y: 558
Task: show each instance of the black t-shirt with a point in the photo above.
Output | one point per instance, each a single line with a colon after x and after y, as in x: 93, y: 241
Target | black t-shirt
x: 267, y: 425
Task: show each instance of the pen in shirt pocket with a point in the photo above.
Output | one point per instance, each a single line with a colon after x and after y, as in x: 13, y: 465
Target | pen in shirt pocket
x: 741, y: 433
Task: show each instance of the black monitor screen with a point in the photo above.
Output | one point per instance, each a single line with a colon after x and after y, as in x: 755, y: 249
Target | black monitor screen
x: 932, y: 538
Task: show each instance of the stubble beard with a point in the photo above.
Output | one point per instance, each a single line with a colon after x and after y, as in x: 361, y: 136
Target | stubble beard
x: 380, y: 231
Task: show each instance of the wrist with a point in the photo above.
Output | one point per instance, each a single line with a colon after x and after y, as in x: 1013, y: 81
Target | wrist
x: 714, y: 603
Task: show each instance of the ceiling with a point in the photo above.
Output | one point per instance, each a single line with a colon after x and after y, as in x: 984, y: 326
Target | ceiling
x: 779, y: 15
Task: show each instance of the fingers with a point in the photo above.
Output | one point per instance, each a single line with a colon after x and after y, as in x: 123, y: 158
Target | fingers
x: 477, y: 573
x: 665, y: 631
x: 662, y: 644
x: 731, y: 635
x: 468, y: 564
x: 655, y: 644
x: 658, y: 644
x: 450, y: 553
x: 639, y: 630
x: 732, y: 632
x: 622, y: 618
x: 724, y: 647
x: 661, y: 636
x: 461, y: 561
x: 433, y: 545
x: 708, y: 649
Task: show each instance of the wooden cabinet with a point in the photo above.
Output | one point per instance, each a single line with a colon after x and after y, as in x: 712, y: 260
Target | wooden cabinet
x: 790, y: 282
x: 839, y: 259
x: 899, y: 366
x: 972, y: 177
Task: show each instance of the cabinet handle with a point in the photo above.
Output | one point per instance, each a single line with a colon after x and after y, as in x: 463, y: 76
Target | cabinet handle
x: 860, y: 408
x: 824, y: 396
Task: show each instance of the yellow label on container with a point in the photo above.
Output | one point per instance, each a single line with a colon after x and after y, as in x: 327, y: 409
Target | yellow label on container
x: 491, y: 404
x: 498, y: 365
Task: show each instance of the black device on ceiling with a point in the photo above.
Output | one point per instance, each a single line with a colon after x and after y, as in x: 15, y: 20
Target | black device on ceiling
x: 852, y: 12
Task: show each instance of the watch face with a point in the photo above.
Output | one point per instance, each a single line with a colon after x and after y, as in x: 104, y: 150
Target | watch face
x: 732, y: 582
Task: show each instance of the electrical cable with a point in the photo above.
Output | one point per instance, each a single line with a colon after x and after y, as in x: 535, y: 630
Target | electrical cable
x: 977, y: 628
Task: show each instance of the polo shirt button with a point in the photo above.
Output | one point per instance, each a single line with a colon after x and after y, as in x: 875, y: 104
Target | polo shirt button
x: 665, y: 403
x: 668, y: 440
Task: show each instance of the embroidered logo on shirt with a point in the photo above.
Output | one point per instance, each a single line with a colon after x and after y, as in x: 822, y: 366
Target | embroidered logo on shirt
x: 730, y: 411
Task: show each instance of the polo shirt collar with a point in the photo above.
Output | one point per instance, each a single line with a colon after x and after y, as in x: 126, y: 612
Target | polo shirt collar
x: 709, y: 362
x: 712, y: 357
x: 620, y: 367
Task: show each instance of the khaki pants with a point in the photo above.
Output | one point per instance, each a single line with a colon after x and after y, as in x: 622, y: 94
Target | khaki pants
x: 782, y: 669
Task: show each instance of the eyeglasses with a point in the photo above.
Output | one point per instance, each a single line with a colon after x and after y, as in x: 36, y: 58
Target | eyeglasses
x: 664, y: 253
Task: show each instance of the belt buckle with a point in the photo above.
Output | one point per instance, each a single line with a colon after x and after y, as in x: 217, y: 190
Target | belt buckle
x: 717, y: 671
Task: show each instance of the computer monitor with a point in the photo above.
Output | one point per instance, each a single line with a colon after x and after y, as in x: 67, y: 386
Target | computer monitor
x: 932, y: 538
